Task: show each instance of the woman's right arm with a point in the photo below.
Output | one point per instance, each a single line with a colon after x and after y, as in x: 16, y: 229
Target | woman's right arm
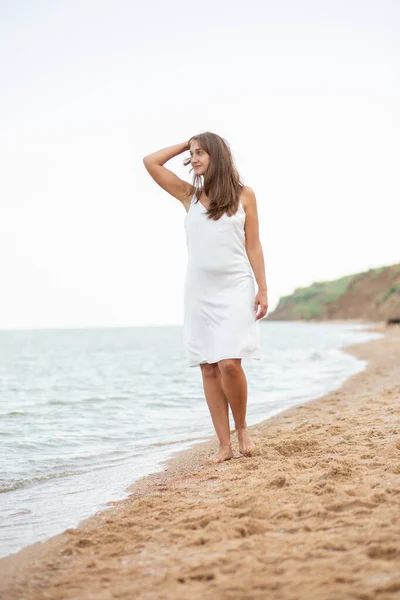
x: 169, y: 181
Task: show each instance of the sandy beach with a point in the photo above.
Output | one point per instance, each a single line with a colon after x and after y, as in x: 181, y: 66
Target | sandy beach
x: 313, y: 514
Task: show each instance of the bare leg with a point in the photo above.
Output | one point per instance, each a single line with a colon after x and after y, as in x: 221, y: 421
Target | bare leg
x: 234, y: 384
x: 219, y: 410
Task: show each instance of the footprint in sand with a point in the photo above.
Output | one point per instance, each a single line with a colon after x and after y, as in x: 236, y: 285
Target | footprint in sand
x: 383, y: 552
x: 342, y: 506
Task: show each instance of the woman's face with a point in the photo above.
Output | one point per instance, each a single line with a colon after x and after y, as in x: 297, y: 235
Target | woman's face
x: 198, y: 158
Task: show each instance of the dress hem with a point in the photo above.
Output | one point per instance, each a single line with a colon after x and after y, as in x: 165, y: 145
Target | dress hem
x: 205, y: 362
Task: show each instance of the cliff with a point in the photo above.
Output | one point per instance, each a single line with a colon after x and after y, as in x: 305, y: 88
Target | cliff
x: 373, y: 295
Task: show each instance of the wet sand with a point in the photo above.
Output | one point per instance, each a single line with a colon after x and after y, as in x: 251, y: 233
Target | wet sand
x: 313, y: 514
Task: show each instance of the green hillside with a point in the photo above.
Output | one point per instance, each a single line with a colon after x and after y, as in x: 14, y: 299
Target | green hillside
x: 373, y: 294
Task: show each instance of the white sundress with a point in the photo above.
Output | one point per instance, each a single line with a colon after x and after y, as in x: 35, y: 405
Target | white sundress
x: 219, y: 290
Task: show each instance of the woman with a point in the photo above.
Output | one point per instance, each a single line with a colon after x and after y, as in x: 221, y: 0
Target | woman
x: 220, y: 323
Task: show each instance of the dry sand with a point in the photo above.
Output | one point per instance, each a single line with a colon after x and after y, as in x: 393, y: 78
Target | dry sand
x: 313, y: 515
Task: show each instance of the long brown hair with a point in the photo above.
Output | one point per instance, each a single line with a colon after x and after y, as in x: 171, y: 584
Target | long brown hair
x: 222, y: 182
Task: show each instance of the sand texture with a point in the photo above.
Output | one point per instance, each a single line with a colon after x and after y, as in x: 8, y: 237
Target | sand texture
x: 314, y: 514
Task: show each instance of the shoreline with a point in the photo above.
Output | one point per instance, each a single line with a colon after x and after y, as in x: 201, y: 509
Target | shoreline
x: 13, y: 541
x: 135, y: 546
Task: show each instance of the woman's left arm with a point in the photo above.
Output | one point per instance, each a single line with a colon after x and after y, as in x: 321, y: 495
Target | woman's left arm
x: 254, y: 250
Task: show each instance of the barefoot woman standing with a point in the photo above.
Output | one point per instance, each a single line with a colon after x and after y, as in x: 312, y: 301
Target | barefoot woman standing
x: 220, y: 301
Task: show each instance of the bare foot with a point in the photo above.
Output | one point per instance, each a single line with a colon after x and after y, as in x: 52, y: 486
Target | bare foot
x: 246, y: 444
x: 224, y: 453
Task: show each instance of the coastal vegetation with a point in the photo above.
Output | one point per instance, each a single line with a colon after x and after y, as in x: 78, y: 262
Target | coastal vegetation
x: 372, y: 295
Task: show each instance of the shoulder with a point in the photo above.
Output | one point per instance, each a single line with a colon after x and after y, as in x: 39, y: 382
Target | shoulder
x: 248, y: 197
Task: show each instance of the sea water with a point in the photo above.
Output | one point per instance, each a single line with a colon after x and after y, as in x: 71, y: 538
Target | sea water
x: 86, y: 412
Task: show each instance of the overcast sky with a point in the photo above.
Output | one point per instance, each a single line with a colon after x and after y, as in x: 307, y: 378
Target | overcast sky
x: 306, y: 93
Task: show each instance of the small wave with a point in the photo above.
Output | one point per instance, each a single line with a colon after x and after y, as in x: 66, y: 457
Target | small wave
x: 92, y: 400
x: 57, y: 402
x: 89, y: 400
x: 193, y: 439
x: 11, y: 486
x: 13, y: 413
